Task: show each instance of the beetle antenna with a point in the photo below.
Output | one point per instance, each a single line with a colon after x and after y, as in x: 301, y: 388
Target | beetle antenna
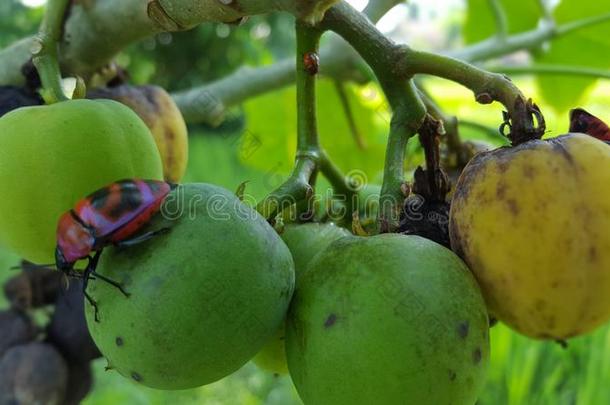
x: 26, y: 266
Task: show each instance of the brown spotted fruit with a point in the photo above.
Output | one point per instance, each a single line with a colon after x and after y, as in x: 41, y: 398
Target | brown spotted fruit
x: 532, y: 222
x: 159, y: 112
x: 387, y: 319
x: 304, y: 241
x: 204, y: 297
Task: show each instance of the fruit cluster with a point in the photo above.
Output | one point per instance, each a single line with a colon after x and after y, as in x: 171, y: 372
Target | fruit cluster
x: 185, y: 296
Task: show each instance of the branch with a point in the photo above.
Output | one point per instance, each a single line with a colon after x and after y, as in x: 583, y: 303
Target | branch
x: 563, y: 70
x: 96, y: 31
x: 408, y: 110
x: 209, y: 103
x: 494, y: 47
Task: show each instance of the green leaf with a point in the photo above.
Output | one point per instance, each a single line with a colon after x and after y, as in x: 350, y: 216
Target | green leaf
x: 586, y: 47
x: 521, y: 15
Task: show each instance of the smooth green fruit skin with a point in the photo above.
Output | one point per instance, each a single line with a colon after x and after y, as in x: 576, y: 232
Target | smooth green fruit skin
x: 52, y: 156
x: 304, y: 241
x: 388, y: 319
x: 204, y: 298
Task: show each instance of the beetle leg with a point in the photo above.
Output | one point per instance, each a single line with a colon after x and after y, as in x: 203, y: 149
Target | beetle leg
x: 141, y: 238
x: 90, y: 273
x: 111, y: 282
x: 91, y: 301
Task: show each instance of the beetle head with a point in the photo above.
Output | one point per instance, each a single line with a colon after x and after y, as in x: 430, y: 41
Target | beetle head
x: 61, y: 263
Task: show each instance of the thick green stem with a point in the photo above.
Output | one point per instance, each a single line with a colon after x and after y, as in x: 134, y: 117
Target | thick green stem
x: 406, y: 120
x: 298, y: 186
x: 307, y: 65
x: 44, y: 51
x: 293, y: 190
x: 524, y: 118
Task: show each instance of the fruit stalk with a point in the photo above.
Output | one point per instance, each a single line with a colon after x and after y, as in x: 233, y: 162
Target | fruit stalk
x: 309, y: 156
x: 298, y: 186
x: 44, y: 51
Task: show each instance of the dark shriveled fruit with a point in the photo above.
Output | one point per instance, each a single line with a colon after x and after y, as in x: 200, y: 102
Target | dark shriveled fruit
x: 67, y: 330
x: 16, y: 328
x: 388, y: 319
x: 34, y: 373
x: 204, y: 297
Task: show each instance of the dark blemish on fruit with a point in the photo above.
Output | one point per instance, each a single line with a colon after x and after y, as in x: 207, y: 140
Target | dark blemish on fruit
x: 592, y: 254
x: 513, y: 206
x: 119, y: 341
x: 477, y: 355
x: 501, y: 190
x: 529, y: 171
x: 551, y: 322
x: 452, y: 375
x: 136, y: 377
x: 463, y: 329
x: 540, y: 305
x: 330, y: 321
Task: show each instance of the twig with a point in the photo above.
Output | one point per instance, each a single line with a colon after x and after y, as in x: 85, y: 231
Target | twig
x: 563, y: 70
x: 500, y: 18
x: 349, y: 115
x: 493, y: 48
x: 44, y: 51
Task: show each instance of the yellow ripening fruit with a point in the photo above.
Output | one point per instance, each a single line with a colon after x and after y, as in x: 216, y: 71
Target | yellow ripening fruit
x: 159, y: 112
x: 533, y: 222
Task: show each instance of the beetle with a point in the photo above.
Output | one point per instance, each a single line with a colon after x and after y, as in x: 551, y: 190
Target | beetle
x: 311, y: 62
x: 111, y: 215
x: 582, y: 121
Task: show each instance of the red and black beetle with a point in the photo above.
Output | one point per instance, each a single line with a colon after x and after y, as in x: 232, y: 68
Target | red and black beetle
x: 108, y: 216
x: 586, y: 123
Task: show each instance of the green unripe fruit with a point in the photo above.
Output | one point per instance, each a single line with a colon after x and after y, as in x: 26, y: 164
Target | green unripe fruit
x: 204, y: 297
x: 304, y: 241
x: 388, y: 319
x: 52, y: 156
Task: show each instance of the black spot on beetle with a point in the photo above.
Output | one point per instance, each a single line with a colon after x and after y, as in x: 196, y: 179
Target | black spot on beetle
x: 330, y: 321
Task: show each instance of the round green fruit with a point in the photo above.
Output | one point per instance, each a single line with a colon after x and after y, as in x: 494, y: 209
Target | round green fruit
x: 388, y: 319
x: 52, y: 156
x: 304, y: 242
x: 204, y: 297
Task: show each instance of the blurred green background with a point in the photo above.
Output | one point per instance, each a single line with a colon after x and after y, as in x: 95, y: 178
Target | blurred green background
x: 257, y: 144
